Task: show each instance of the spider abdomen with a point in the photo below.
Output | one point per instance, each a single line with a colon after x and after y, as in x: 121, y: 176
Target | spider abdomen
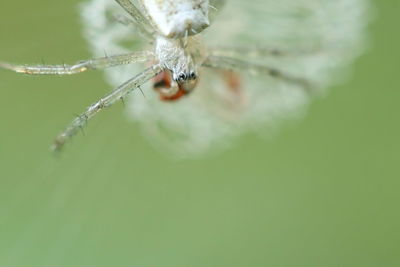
x: 178, y: 18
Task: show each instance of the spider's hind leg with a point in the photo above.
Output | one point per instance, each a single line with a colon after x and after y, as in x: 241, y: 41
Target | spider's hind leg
x: 261, y: 51
x: 227, y: 63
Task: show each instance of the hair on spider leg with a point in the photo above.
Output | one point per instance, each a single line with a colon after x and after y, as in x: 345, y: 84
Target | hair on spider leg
x: 140, y: 89
x: 122, y: 101
x: 82, y: 130
x: 6, y: 66
x: 80, y: 116
x: 185, y: 39
x: 213, y: 7
x: 122, y: 19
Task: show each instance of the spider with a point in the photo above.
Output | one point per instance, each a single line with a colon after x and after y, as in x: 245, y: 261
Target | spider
x: 174, y: 28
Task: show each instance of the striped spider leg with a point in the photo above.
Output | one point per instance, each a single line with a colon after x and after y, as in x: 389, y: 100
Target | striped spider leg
x: 81, y: 66
x: 98, y: 63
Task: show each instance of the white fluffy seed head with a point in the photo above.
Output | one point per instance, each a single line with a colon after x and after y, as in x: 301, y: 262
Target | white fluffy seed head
x: 177, y: 18
x: 319, y: 38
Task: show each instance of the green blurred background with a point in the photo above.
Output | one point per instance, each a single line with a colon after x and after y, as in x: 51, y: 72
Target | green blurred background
x: 324, y: 192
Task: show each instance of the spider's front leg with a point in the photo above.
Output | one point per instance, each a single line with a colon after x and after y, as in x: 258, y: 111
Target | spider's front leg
x: 91, y: 64
x: 103, y: 103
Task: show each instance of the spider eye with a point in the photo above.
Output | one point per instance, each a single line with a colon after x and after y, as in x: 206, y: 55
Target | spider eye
x: 182, y: 77
x: 193, y: 75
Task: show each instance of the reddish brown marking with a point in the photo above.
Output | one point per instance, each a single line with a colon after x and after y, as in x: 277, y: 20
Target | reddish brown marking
x: 163, y: 81
x: 237, y: 99
x: 176, y: 96
x: 233, y: 81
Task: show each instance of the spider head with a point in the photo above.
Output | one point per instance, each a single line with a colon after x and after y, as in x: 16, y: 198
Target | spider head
x: 185, y: 76
x: 172, y: 90
x: 186, y: 80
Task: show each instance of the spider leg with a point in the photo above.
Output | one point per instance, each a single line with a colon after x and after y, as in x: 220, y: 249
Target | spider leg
x: 259, y: 52
x: 140, y: 20
x: 108, y: 100
x: 214, y: 8
x: 216, y: 5
x: 124, y: 20
x: 91, y: 64
x: 228, y: 63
